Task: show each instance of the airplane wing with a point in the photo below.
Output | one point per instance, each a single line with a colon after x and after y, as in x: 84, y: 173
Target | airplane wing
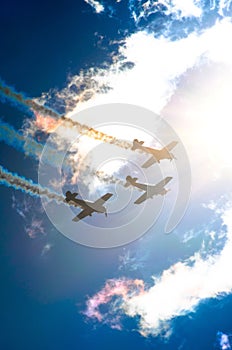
x: 103, y: 199
x: 171, y: 145
x: 149, y: 162
x: 83, y: 214
x: 141, y: 198
x: 162, y: 183
x: 153, y: 190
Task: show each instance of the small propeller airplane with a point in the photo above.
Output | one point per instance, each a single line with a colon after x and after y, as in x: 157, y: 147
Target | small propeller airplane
x: 150, y: 190
x: 87, y: 206
x: 157, y: 154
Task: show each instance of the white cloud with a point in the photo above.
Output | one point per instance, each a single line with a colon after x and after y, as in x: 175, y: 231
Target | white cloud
x: 224, y: 5
x: 179, y: 9
x: 159, y: 62
x: 161, y: 65
x: 177, y: 292
x: 187, y: 8
x: 183, y: 286
x: 98, y: 7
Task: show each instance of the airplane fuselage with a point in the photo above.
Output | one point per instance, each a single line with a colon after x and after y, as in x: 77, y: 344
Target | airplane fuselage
x: 151, y: 192
x: 90, y: 205
x: 96, y: 207
x: 88, y: 208
x: 158, y: 154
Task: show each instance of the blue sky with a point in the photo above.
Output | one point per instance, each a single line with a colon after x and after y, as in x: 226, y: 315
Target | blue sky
x: 43, y: 50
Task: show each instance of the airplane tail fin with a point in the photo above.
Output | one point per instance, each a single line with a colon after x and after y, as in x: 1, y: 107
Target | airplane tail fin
x: 136, y: 144
x: 70, y: 196
x: 130, y: 181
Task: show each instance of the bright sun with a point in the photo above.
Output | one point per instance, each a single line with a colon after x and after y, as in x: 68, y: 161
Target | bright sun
x: 201, y: 112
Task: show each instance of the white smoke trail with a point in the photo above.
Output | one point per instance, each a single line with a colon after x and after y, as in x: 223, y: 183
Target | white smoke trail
x: 27, y: 186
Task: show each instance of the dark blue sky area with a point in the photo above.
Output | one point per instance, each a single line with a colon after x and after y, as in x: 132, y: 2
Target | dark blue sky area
x: 42, y: 42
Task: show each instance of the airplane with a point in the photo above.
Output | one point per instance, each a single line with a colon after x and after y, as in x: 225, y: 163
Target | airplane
x: 157, y: 154
x: 150, y: 190
x: 87, y: 206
